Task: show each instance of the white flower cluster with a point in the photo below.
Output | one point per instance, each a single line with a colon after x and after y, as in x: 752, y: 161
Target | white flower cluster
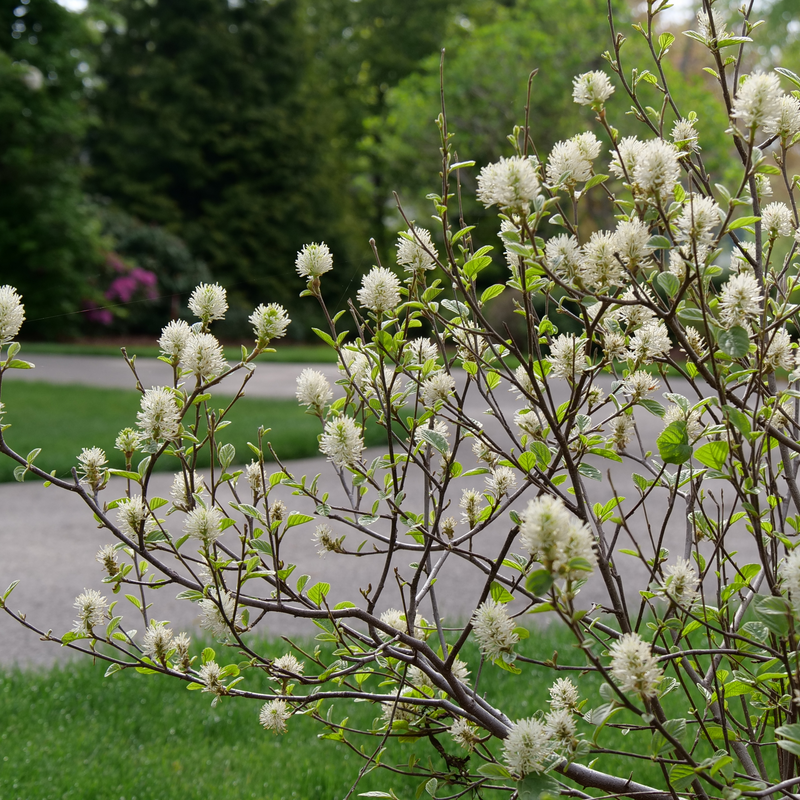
x: 740, y: 300
x: 494, y: 630
x: 758, y: 101
x: 12, y: 314
x: 511, y: 184
x: 634, y: 667
x: 416, y: 250
x: 554, y: 536
x: 528, y: 746
x: 204, y: 524
x: 592, y: 88
x: 273, y: 716
x: 91, y: 608
x: 567, y: 357
x: 91, y: 467
x: 160, y: 416
x: 157, y: 641
x: 380, y: 291
x: 680, y: 583
x: 314, y: 260
x: 175, y: 337
x: 342, y: 441
x: 218, y: 617
x: 313, y: 390
x: 203, y: 357
x: 269, y: 322
x: 570, y: 161
x: 208, y: 302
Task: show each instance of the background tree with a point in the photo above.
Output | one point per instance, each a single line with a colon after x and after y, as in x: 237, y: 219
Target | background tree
x: 49, y: 240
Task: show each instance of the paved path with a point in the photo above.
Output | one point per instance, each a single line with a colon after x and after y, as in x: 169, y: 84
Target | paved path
x: 48, y: 539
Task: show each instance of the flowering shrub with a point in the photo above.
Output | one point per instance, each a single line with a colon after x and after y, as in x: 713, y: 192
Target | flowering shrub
x: 692, y: 292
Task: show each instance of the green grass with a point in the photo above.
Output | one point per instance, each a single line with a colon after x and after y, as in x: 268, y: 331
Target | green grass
x: 285, y: 353
x: 68, y: 732
x: 63, y: 419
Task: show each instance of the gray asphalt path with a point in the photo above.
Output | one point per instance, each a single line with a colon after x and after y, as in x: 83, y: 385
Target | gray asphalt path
x: 48, y: 539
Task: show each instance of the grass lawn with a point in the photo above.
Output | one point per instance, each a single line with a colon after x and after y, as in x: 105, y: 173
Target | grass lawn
x: 285, y: 353
x: 68, y: 732
x: 63, y: 419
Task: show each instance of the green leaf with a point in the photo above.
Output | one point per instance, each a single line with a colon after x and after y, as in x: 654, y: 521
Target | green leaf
x: 17, y: 364
x: 787, y: 73
x: 595, y: 180
x: 475, y: 265
x: 324, y: 336
x: 316, y: 594
x: 739, y: 420
x: 659, y: 243
x: 669, y: 283
x: 434, y: 439
x: 673, y: 444
x: 500, y: 594
x: 735, y: 342
x: 590, y: 471
x: 157, y: 502
x: 653, y: 406
x: 775, y: 613
x: 539, y: 582
x: 207, y: 655
x: 297, y: 519
x: 491, y: 292
x: 713, y: 454
x: 742, y: 222
x: 493, y: 771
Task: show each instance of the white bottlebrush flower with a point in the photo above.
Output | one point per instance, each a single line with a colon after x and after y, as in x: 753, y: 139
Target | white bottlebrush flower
x: 269, y: 322
x: 217, y: 618
x: 211, y: 676
x: 693, y: 420
x: 182, y: 488
x: 758, y: 101
x: 209, y: 302
x: 290, y: 664
x: 621, y: 431
x: 160, y: 417
x: 740, y: 300
x: 636, y: 311
x: 175, y: 335
x: 273, y: 716
x: 634, y: 667
x: 651, y: 341
x: 625, y: 158
x: 255, y: 478
x: 680, y: 582
x: 397, y: 620
x: 553, y: 536
x: 529, y: 422
x: 567, y: 357
x: 563, y: 256
x: 501, y: 481
x: 630, y: 242
x: 510, y: 183
x: 561, y: 726
x: 342, y: 441
x: 181, y: 643
x: 570, y: 162
x: 12, y: 313
x: 437, y: 387
x: 600, y: 266
x: 780, y: 354
x: 416, y: 250
x: 564, y: 694
x: 704, y: 25
x: 107, y: 556
x: 357, y: 367
x: 465, y: 734
x: 131, y: 513
x: 91, y: 606
x: 787, y: 124
x: 325, y: 540
x: 700, y: 217
x: 483, y: 452
x: 657, y: 170
x: 523, y: 385
x: 640, y: 385
x: 591, y: 88
x: 204, y: 524
x: 204, y: 357
x: 739, y: 262
x: 380, y: 291
x: 684, y: 135
x: 91, y: 467
x: 313, y: 390
x: 790, y: 576
x: 763, y: 186
x: 528, y: 747
x: 128, y: 441
x: 470, y: 504
x: 157, y: 641
x: 421, y: 350
x: 615, y: 344
x: 313, y: 260
x: 776, y: 220
x: 494, y: 630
